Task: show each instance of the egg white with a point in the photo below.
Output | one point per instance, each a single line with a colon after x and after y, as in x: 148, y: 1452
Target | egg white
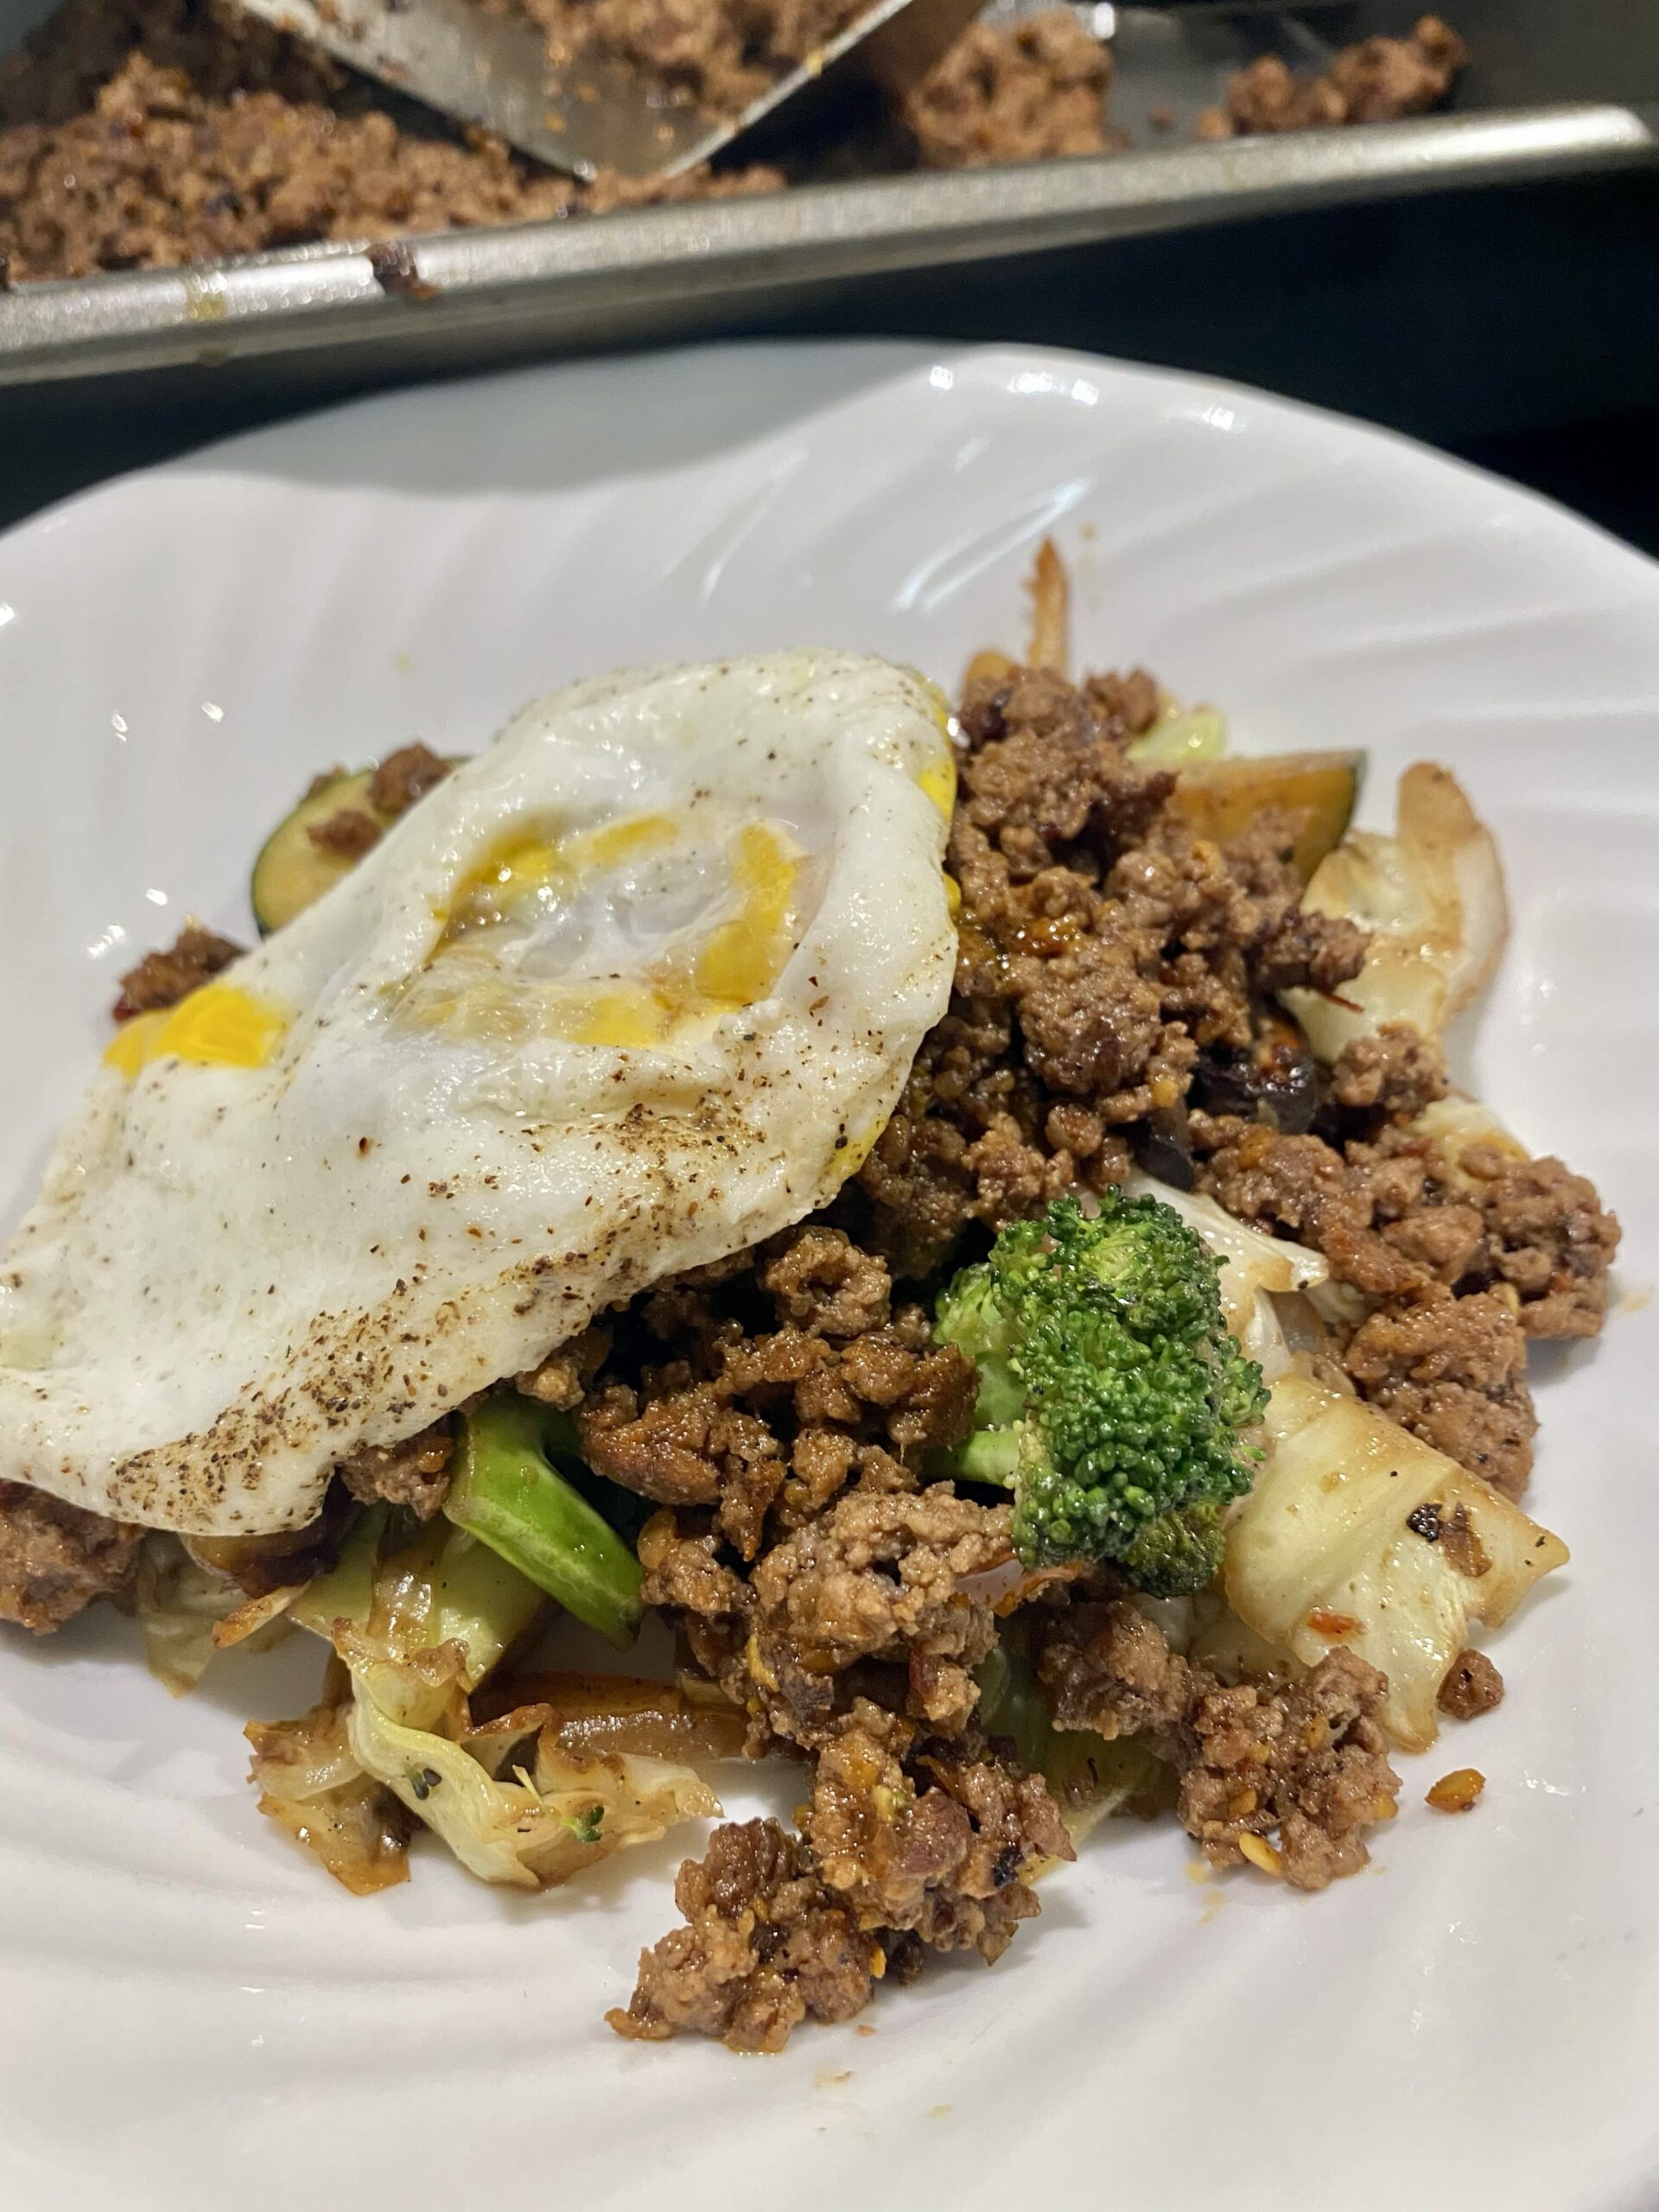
x: 498, y: 1093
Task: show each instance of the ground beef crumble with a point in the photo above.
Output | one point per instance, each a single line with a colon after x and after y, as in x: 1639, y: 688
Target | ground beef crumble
x: 55, y: 1558
x: 765, y: 1946
x: 162, y: 979
x: 1472, y: 1686
x: 1306, y: 1762
x: 1377, y: 80
x: 1106, y: 956
x: 1024, y: 92
x: 1464, y: 1252
x: 415, y: 1473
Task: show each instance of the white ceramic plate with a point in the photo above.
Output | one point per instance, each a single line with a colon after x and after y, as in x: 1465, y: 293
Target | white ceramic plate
x: 193, y: 2016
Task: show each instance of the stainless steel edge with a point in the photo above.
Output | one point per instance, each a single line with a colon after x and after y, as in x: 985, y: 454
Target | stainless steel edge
x: 579, y: 281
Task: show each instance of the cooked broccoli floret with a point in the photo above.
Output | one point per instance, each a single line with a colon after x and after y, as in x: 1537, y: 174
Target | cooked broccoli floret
x: 1111, y: 1394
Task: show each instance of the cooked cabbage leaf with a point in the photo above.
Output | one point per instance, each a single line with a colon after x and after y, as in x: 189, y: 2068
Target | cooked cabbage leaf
x: 1432, y: 896
x: 555, y: 1813
x: 311, y: 1783
x: 1359, y: 1533
x: 188, y: 1611
x: 445, y: 1587
x: 417, y: 1628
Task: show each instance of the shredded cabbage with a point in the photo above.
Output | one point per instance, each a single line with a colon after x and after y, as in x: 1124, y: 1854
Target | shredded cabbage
x: 1432, y: 896
x: 311, y: 1782
x: 188, y: 1612
x: 1323, y: 1552
x: 416, y: 1629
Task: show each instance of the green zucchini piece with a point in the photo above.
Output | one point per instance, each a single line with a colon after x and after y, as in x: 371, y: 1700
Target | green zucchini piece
x: 1220, y: 799
x: 292, y: 870
x: 1181, y: 738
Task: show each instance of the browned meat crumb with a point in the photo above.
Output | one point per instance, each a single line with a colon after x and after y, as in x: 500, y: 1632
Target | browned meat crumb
x: 1397, y: 1072
x: 717, y: 55
x: 147, y: 133
x: 900, y: 1848
x: 1307, y: 1762
x: 162, y: 979
x: 778, y: 1423
x: 345, y: 835
x: 564, y: 1375
x: 766, y: 1945
x: 1103, y: 952
x: 1377, y: 80
x: 878, y: 1574
x: 1453, y: 1370
x: 1465, y: 1256
x: 395, y: 272
x: 415, y: 1473
x: 1551, y: 1240
x: 823, y: 1283
x: 55, y: 1558
x: 1023, y: 92
x: 1472, y: 1686
x: 405, y: 776
x: 948, y: 1861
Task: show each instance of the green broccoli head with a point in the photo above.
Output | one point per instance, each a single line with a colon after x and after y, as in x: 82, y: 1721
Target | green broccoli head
x: 1111, y: 1394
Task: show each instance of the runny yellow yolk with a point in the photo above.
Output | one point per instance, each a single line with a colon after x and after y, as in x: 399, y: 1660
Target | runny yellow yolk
x: 939, y: 780
x: 737, y: 963
x: 518, y: 867
x: 217, y: 1027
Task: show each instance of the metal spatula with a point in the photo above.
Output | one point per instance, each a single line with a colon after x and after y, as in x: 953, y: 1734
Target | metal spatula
x: 493, y: 70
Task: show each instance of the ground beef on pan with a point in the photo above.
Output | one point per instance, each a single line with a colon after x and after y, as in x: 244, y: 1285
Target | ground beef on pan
x: 719, y: 56
x: 1023, y: 92
x: 55, y: 1559
x: 150, y: 133
x: 1378, y: 80
x: 162, y: 979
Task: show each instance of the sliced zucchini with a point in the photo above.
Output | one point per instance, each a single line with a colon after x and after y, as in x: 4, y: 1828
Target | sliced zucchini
x: 293, y: 869
x: 1181, y: 738
x: 1220, y: 799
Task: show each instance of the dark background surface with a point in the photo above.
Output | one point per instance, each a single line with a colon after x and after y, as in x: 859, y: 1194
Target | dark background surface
x: 1518, y: 328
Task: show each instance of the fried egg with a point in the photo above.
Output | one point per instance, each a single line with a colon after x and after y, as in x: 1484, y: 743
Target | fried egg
x: 635, y: 989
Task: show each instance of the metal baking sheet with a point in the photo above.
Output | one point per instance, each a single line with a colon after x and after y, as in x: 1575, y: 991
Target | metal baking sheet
x: 1581, y: 94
